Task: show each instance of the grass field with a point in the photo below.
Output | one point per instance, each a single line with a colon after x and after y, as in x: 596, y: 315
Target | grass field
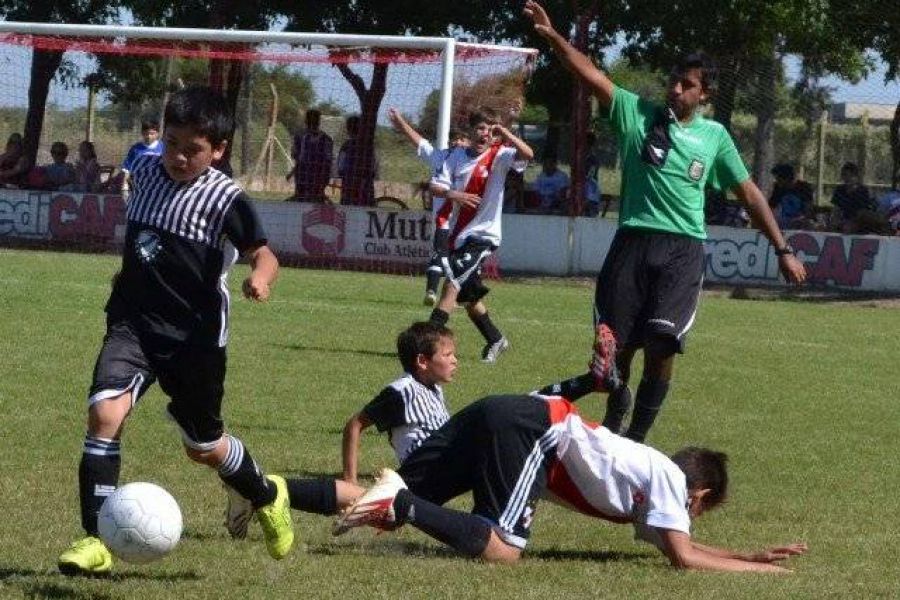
x: 802, y: 395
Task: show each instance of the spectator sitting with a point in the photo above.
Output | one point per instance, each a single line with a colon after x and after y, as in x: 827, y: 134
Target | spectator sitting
x: 14, y: 166
x: 87, y: 168
x: 551, y: 186
x: 312, y: 152
x: 791, y: 199
x: 850, y: 197
x: 59, y: 173
x: 719, y: 211
x: 889, y: 208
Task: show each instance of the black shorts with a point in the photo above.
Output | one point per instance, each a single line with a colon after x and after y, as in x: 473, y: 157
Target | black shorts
x: 462, y: 268
x: 497, y: 448
x: 192, y: 376
x: 649, y: 285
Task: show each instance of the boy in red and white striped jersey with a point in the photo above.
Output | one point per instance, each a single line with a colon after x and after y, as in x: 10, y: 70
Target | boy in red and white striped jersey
x: 511, y: 450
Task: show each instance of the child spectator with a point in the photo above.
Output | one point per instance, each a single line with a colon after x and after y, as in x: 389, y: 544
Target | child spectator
x: 148, y: 144
x: 312, y: 152
x: 552, y: 187
x: 14, y: 166
x: 850, y: 197
x: 59, y: 174
x: 87, y: 168
x: 791, y: 199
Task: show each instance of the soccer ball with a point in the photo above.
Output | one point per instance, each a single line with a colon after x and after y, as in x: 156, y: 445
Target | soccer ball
x: 140, y: 522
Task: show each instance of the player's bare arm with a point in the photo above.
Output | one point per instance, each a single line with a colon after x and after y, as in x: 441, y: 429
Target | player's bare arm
x: 601, y: 86
x: 767, y: 555
x: 263, y: 272
x: 747, y: 192
x: 684, y: 554
x: 350, y: 446
x: 458, y: 197
x: 523, y: 150
x: 401, y: 125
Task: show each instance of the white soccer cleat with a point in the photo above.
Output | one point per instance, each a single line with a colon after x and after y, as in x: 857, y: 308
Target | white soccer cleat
x: 375, y: 507
x: 492, y: 352
x: 238, y: 512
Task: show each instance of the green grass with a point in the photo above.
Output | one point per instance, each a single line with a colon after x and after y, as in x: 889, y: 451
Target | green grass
x: 803, y: 396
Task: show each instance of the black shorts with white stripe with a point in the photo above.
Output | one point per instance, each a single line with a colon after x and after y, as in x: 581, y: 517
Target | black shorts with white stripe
x: 192, y: 376
x: 498, y: 449
x: 649, y: 286
x: 462, y: 268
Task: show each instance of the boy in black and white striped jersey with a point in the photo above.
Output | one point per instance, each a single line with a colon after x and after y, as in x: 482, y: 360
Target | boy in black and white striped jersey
x: 167, y: 319
x: 410, y: 409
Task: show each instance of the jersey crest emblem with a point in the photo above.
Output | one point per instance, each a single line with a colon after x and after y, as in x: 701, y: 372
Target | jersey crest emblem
x: 147, y: 246
x: 695, y: 171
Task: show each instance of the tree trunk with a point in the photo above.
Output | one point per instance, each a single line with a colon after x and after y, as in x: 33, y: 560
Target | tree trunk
x: 580, y: 116
x: 244, y: 123
x: 723, y: 102
x: 764, y: 140
x: 895, y: 149
x: 359, y: 185
x: 43, y: 68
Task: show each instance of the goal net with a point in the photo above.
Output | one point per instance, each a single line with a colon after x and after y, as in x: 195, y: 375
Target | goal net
x: 313, y: 144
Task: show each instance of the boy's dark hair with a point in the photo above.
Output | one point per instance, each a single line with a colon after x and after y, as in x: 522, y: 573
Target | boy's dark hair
x: 709, y: 72
x: 420, y: 338
x: 59, y: 148
x: 704, y: 469
x: 783, y: 170
x: 850, y: 167
x: 482, y: 115
x: 148, y: 124
x: 203, y: 109
x: 352, y: 125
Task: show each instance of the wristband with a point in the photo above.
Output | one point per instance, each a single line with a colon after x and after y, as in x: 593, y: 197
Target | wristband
x: 784, y: 250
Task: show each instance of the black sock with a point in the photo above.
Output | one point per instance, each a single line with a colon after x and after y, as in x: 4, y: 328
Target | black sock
x: 439, y: 317
x: 466, y: 533
x: 571, y: 389
x: 649, y: 399
x: 618, y: 403
x: 98, y: 476
x: 487, y: 328
x: 239, y: 471
x: 313, y: 495
x: 432, y: 279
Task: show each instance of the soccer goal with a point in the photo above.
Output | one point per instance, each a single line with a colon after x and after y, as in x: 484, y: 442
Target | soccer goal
x: 311, y: 115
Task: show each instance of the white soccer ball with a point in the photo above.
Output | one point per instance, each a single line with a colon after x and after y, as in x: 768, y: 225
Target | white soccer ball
x: 140, y: 522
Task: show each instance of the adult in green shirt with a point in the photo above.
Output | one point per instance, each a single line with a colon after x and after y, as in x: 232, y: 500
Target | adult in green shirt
x: 649, y: 285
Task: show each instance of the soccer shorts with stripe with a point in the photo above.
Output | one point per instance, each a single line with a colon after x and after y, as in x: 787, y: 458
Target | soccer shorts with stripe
x: 497, y: 448
x: 192, y: 376
x: 462, y: 268
x: 649, y: 285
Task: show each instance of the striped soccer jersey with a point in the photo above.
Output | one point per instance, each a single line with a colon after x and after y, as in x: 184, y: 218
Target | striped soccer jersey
x: 455, y: 172
x: 604, y: 475
x: 173, y: 279
x: 410, y: 411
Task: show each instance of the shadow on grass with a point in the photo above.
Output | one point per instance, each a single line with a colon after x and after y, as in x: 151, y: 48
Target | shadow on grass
x: 385, y: 547
x: 25, y: 580
x: 588, y: 555
x: 359, y: 351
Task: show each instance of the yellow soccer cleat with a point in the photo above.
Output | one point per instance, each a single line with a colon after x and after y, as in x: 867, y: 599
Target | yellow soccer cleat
x: 87, y: 556
x: 275, y: 520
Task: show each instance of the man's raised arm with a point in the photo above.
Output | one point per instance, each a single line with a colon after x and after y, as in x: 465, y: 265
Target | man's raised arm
x: 601, y: 86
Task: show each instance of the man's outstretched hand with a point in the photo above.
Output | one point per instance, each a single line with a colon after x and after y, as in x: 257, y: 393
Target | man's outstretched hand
x: 538, y: 16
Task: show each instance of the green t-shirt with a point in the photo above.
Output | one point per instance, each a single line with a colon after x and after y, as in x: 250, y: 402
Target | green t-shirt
x: 670, y: 198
